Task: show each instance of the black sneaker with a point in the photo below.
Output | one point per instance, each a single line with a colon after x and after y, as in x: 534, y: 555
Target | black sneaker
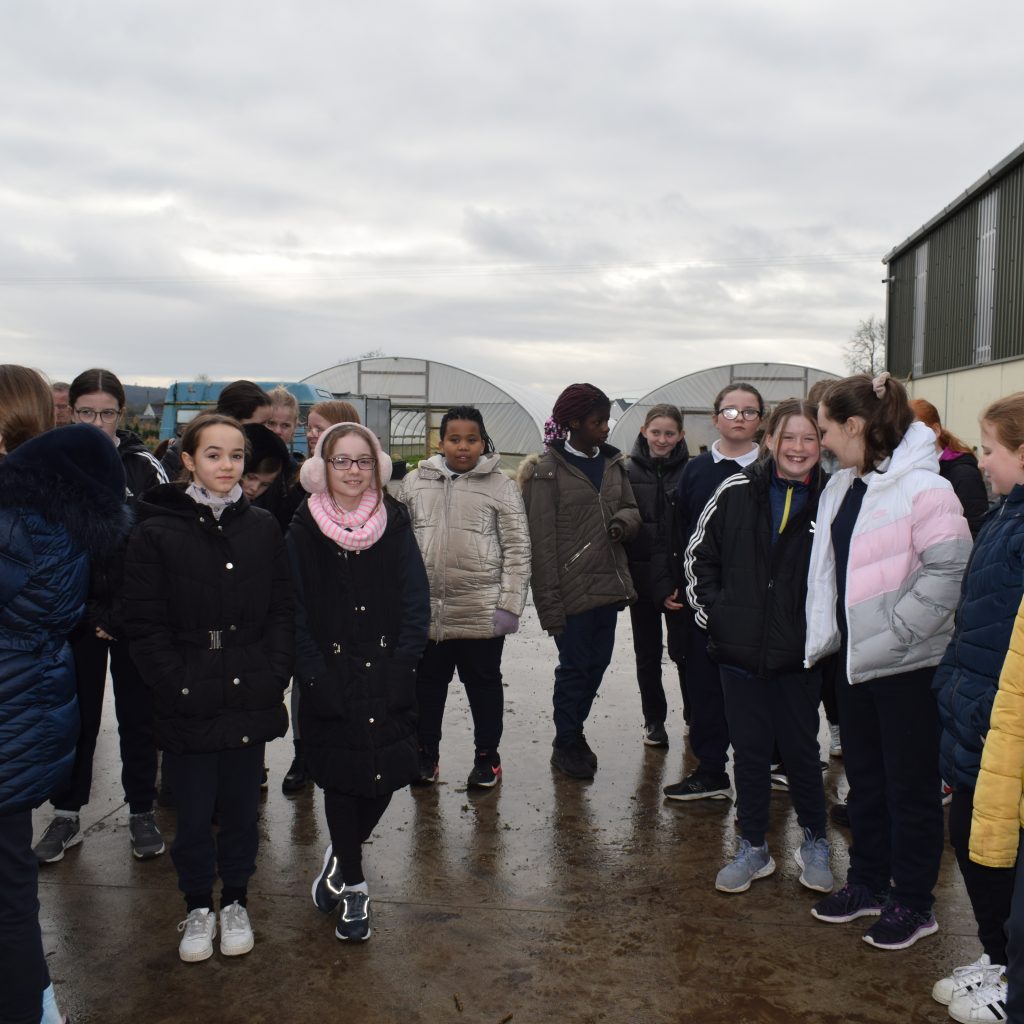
x: 849, y: 903
x: 700, y: 786
x: 655, y: 734
x: 265, y: 778
x: 145, y: 836
x: 486, y: 773
x: 61, y: 833
x: 429, y: 770
x: 840, y: 815
x: 899, y: 927
x: 328, y: 885
x: 587, y: 752
x: 780, y: 780
x: 296, y: 777
x: 572, y: 760
x: 354, y: 919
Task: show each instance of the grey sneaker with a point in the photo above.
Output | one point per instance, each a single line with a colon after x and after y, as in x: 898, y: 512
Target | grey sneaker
x: 61, y: 833
x: 750, y: 862
x: 236, y: 935
x: 813, y: 860
x: 146, y: 839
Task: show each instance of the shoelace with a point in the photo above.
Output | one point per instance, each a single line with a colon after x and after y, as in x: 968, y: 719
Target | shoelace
x: 819, y: 852
x: 195, y: 924
x: 992, y: 992
x: 234, y: 918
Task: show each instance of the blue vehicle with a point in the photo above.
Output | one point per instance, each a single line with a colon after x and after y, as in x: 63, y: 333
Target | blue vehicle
x: 186, y: 399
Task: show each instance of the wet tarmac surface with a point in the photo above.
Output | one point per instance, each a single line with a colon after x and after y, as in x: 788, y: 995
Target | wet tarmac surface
x: 546, y: 899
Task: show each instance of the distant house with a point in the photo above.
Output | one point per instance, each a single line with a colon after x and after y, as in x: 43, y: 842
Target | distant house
x: 148, y: 415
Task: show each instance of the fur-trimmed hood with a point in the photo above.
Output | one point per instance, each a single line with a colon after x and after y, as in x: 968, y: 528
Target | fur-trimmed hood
x: 71, y: 476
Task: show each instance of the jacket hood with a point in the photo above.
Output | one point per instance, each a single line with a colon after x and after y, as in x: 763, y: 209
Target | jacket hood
x: 916, y: 451
x: 71, y: 476
x: 642, y: 453
x: 434, y: 466
x: 129, y: 443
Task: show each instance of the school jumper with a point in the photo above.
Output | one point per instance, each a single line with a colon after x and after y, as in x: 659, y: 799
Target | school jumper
x: 654, y: 482
x: 888, y: 556
x: 61, y: 503
x: 965, y: 685
x: 208, y: 612
x: 746, y: 580
x: 580, y: 577
x: 472, y: 533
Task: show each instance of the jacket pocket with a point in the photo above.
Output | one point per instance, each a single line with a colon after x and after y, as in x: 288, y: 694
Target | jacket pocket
x: 324, y: 697
x: 400, y: 680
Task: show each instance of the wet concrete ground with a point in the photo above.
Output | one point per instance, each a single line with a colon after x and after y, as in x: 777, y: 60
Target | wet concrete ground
x: 544, y: 900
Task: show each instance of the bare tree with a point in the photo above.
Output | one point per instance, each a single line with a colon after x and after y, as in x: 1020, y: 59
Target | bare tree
x: 865, y: 351
x: 374, y: 353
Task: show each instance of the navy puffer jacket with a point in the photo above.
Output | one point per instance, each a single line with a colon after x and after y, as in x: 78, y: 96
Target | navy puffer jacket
x: 61, y: 503
x: 968, y: 676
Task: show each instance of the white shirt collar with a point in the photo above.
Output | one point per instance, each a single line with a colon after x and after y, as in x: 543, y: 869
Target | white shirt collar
x: 583, y: 455
x: 744, y: 460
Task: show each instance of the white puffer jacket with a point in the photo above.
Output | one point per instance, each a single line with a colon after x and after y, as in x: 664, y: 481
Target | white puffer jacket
x: 475, y: 542
x: 907, y: 557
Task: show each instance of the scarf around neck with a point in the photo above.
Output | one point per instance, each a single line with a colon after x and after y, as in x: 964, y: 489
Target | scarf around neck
x: 353, y: 531
x: 201, y: 496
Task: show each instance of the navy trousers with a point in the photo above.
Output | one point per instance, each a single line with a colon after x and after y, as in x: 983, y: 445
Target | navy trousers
x: 23, y: 972
x: 890, y: 732
x: 646, y: 620
x: 709, y: 730
x: 584, y: 653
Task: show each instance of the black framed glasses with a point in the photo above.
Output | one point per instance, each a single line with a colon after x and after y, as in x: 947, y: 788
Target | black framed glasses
x: 89, y: 415
x: 730, y: 412
x: 343, y: 462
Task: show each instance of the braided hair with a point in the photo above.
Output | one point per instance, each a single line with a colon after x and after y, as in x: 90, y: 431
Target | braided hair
x: 576, y: 402
x: 471, y: 413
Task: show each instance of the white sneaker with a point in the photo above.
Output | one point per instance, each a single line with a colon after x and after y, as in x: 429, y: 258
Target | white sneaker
x: 984, y: 1004
x: 964, y: 980
x: 199, y: 927
x: 236, y: 935
x: 835, y: 748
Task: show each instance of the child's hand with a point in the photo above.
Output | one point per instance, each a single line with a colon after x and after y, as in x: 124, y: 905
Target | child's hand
x: 505, y: 622
x: 615, y: 532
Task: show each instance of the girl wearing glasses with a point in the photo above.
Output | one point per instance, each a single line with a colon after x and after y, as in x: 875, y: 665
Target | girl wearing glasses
x: 470, y: 524
x: 208, y: 611
x: 746, y: 571
x: 362, y: 621
x: 888, y: 556
x: 96, y: 397
x: 738, y: 409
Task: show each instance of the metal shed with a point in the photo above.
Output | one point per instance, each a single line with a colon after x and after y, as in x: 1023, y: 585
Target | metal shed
x: 695, y: 394
x: 421, y: 392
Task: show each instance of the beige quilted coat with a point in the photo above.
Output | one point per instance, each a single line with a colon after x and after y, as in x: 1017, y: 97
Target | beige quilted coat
x: 475, y: 544
x: 576, y: 566
x: 999, y: 796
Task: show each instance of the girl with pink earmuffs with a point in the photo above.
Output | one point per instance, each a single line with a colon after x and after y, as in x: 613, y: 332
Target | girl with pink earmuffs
x: 362, y: 621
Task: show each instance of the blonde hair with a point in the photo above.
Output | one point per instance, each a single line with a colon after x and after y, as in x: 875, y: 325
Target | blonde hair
x: 282, y: 397
x: 1006, y: 415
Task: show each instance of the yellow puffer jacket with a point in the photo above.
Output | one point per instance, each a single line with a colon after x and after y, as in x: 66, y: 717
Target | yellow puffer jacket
x: 475, y: 542
x: 998, y: 804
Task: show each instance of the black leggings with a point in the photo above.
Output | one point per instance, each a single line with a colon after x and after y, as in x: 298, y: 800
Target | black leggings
x: 351, y: 819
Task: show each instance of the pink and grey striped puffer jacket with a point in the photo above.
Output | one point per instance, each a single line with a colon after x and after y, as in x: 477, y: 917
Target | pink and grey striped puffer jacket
x: 907, y: 556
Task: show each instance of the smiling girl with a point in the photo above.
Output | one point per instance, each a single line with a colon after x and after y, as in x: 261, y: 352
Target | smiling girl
x: 655, y: 466
x: 968, y: 678
x: 888, y: 556
x: 746, y: 570
x: 208, y: 610
x: 362, y: 621
x: 470, y: 525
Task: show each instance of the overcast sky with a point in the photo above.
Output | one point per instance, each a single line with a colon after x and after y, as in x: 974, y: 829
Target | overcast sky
x: 542, y: 191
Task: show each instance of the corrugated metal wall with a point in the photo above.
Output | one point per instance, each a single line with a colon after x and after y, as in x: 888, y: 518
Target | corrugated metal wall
x: 952, y: 265
x: 900, y: 316
x: 1008, y: 313
x: 972, y: 309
